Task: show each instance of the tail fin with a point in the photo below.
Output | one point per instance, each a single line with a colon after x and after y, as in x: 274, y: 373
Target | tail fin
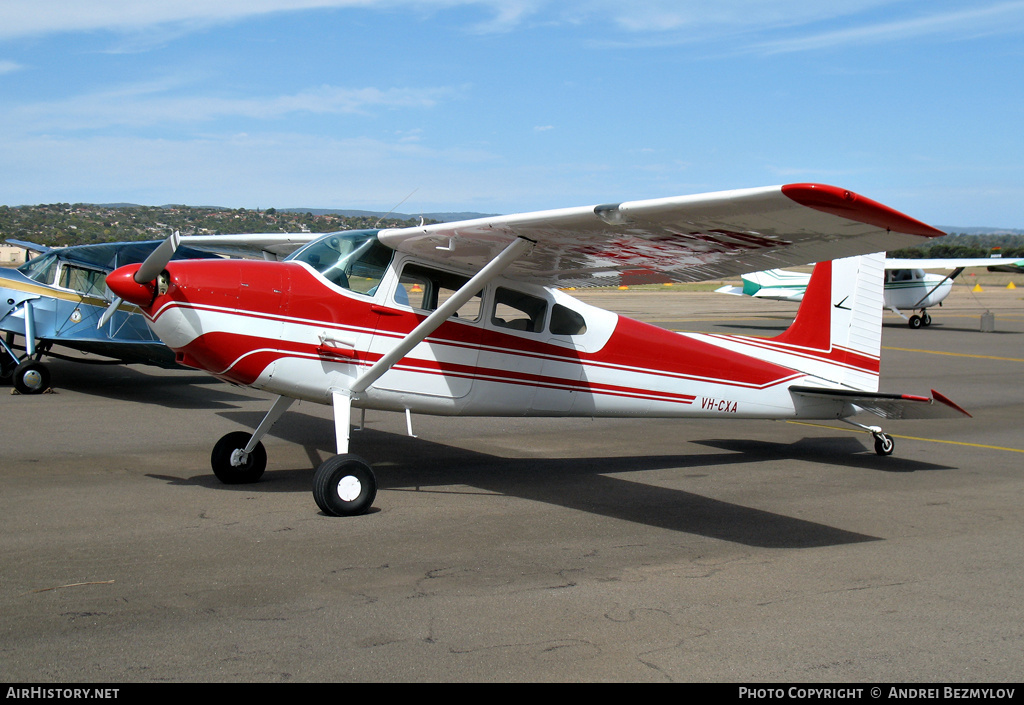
x: 838, y: 326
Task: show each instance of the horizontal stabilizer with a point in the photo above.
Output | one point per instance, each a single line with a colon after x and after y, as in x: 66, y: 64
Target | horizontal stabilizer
x: 889, y: 406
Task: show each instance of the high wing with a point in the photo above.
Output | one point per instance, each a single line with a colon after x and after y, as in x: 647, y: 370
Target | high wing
x: 270, y: 246
x: 949, y: 262
x: 31, y: 248
x: 683, y: 239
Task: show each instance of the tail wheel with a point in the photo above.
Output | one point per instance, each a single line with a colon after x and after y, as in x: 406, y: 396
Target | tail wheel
x: 344, y: 486
x: 884, y: 444
x: 234, y: 467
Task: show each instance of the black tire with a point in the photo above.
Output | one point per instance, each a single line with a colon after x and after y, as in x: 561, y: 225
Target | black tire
x: 227, y: 472
x: 31, y: 377
x: 7, y: 366
x: 915, y: 322
x: 884, y: 444
x: 926, y: 320
x: 344, y: 486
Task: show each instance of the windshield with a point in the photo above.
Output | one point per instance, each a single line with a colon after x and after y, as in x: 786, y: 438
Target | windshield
x: 353, y: 260
x: 42, y: 269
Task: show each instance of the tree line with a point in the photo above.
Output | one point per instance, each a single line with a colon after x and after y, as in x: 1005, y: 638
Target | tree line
x: 62, y: 224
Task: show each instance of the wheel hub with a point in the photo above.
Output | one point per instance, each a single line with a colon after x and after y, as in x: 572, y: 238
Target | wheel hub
x: 32, y: 379
x: 349, y: 488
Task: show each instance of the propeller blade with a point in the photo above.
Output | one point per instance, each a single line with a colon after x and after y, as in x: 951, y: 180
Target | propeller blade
x: 156, y: 262
x: 109, y: 312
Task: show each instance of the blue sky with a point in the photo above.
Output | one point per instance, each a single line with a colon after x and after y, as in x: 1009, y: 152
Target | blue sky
x: 501, y: 107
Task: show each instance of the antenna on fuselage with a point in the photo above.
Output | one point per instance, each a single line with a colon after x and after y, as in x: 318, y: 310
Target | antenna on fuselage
x: 396, y: 207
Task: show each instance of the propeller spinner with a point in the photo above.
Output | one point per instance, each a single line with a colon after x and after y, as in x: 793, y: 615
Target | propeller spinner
x: 135, y: 285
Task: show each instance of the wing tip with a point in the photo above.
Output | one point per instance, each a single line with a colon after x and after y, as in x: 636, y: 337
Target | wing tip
x: 850, y: 205
x: 950, y: 403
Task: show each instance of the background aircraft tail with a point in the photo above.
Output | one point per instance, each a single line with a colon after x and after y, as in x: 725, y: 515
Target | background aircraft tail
x: 838, y: 327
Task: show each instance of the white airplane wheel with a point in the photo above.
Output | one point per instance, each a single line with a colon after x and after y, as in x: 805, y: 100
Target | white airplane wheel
x: 31, y: 377
x: 884, y: 444
x: 344, y: 486
x: 228, y: 462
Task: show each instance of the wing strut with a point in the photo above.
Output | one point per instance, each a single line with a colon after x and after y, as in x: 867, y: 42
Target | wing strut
x: 956, y: 273
x: 342, y: 398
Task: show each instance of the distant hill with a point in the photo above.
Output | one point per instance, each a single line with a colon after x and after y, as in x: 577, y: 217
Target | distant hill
x: 438, y: 217
x: 979, y: 231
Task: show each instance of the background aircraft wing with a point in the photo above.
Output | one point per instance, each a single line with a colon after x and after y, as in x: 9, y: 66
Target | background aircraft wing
x: 252, y: 245
x: 950, y: 263
x: 32, y: 248
x: 685, y: 239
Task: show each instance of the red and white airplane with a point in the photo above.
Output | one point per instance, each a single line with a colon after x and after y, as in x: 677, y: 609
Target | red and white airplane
x: 468, y: 318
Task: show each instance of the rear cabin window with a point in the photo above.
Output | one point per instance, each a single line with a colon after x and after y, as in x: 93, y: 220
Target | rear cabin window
x: 565, y: 321
x: 518, y: 311
x: 90, y: 282
x: 425, y: 289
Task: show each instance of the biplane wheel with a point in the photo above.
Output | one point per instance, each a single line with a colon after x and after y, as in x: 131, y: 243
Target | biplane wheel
x: 915, y: 321
x: 7, y: 366
x: 344, y: 485
x: 31, y: 377
x: 225, y: 463
x: 884, y: 444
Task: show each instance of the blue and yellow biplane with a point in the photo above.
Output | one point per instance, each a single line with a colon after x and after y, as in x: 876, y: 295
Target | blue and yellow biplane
x: 57, y: 298
x: 60, y: 298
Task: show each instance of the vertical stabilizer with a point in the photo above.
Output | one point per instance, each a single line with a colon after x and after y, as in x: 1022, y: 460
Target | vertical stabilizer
x: 839, y: 322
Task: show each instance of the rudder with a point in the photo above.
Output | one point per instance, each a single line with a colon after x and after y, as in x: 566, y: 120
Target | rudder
x: 839, y: 322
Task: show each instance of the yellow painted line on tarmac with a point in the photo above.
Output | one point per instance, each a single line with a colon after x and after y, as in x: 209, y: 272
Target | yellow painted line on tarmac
x: 912, y: 438
x: 955, y: 354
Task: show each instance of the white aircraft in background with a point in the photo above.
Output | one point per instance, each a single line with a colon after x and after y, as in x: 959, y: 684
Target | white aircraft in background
x: 469, y: 319
x: 907, y: 286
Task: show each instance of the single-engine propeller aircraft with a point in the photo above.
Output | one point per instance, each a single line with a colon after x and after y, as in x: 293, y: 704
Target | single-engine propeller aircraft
x: 907, y: 286
x: 465, y: 318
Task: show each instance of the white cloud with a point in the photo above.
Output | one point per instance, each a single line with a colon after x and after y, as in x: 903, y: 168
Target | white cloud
x: 162, y: 104
x: 999, y: 18
x: 659, y: 21
x: 9, y: 67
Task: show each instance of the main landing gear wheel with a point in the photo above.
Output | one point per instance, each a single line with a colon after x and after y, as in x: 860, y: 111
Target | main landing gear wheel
x: 31, y: 377
x: 884, y: 444
x: 926, y: 319
x: 231, y: 465
x: 344, y: 485
x: 915, y: 321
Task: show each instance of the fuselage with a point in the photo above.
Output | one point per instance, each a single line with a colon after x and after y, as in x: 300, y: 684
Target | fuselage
x: 910, y: 289
x: 305, y: 327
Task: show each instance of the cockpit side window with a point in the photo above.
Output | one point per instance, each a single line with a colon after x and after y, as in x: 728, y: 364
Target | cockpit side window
x: 91, y: 282
x: 518, y: 311
x: 354, y: 261
x: 565, y: 321
x: 426, y: 288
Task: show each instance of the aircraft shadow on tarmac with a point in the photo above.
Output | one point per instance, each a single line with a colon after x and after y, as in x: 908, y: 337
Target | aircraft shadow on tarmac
x: 584, y: 484
x: 180, y: 389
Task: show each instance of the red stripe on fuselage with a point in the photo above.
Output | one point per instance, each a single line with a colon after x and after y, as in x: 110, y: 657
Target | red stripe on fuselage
x: 291, y: 293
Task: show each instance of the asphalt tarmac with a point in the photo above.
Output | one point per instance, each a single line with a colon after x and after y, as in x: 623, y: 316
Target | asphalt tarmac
x: 525, y: 550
